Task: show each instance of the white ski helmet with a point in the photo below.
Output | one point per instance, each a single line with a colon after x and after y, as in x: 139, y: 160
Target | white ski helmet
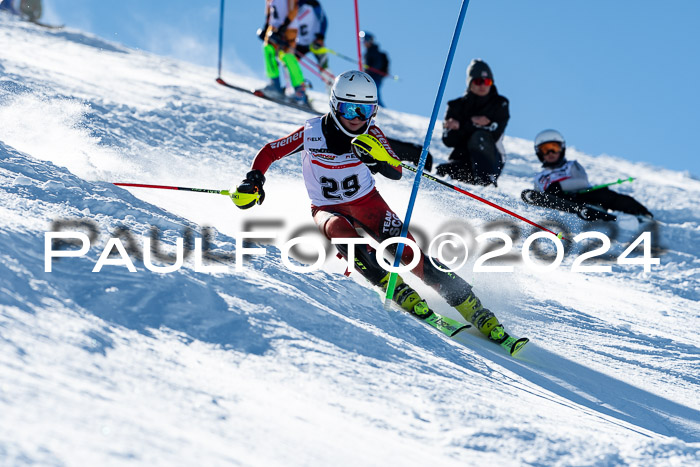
x: 549, y: 136
x: 355, y: 90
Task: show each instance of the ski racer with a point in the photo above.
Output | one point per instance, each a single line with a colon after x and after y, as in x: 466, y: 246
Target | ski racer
x: 279, y: 36
x: 565, y: 179
x: 339, y: 180
x: 311, y: 24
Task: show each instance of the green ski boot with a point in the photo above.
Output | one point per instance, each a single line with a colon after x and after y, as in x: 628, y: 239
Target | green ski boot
x: 407, y: 298
x: 472, y: 310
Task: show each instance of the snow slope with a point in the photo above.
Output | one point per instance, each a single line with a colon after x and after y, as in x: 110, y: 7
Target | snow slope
x: 266, y: 366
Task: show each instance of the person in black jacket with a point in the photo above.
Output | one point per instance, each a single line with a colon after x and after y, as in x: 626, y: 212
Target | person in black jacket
x: 376, y: 62
x: 474, y: 125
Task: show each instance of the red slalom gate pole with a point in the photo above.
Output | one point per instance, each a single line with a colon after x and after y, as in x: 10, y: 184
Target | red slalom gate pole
x: 478, y: 198
x: 357, y: 36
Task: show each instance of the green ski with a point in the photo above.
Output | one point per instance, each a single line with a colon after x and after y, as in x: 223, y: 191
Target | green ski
x: 514, y: 344
x: 511, y: 343
x: 445, y: 325
x: 450, y: 327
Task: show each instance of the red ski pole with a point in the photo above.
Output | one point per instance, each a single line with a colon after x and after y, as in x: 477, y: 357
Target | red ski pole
x: 321, y: 73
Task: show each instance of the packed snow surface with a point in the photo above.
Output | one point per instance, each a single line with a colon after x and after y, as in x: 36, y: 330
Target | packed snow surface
x: 218, y: 364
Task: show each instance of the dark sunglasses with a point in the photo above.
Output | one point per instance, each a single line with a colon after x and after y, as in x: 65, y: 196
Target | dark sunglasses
x: 482, y: 81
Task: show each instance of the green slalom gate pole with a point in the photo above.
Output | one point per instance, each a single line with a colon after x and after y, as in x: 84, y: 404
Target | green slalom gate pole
x: 598, y: 187
x: 421, y: 163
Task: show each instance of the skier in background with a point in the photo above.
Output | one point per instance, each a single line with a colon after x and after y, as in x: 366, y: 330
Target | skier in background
x: 562, y: 178
x: 376, y: 62
x: 279, y: 37
x: 474, y: 126
x: 340, y: 182
x: 311, y: 24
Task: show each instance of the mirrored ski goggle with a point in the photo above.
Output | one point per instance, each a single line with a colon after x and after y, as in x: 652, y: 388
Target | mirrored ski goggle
x: 480, y: 81
x: 351, y: 110
x: 549, y: 147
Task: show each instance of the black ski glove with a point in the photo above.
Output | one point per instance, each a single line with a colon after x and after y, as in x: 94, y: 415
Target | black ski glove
x: 365, y: 157
x: 374, y: 155
x: 277, y: 39
x: 262, y: 32
x: 251, y: 185
x: 554, y: 189
x: 283, y: 27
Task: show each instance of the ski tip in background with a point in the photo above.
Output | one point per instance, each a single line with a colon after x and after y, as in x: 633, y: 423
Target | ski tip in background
x: 221, y: 81
x: 262, y: 95
x: 48, y: 26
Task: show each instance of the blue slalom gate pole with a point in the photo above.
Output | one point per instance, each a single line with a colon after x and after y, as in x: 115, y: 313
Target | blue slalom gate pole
x: 221, y: 34
x: 424, y: 152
